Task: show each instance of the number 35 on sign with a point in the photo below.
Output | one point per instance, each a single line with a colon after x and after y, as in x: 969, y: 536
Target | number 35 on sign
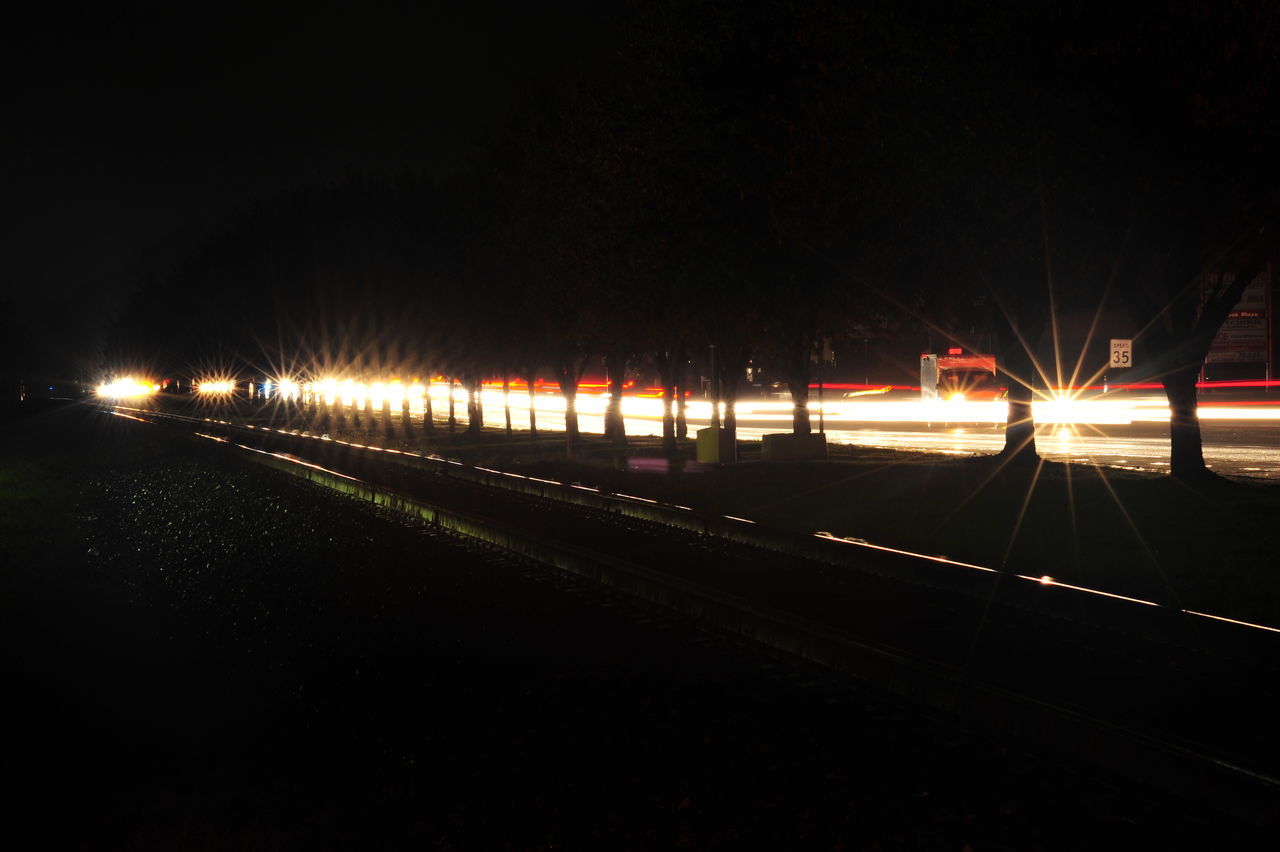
x: 1121, y: 353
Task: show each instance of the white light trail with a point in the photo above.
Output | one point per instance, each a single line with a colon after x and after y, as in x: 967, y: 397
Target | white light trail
x: 126, y: 388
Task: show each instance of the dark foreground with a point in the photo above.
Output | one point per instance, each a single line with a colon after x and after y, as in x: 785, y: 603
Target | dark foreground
x: 198, y: 654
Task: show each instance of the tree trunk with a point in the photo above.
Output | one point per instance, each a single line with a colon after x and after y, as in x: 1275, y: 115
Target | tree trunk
x: 670, y: 377
x: 531, y: 378
x: 682, y: 424
x: 570, y: 421
x: 669, y: 363
x: 1016, y: 367
x: 730, y: 373
x: 615, y: 429
x: 1020, y: 425
x: 324, y: 420
x: 1188, y: 335
x: 1186, y: 450
x: 506, y: 401
x: 453, y: 420
x: 669, y: 419
x: 800, y: 411
x: 730, y: 423
x: 798, y: 385
x: 428, y: 416
x: 569, y: 390
x: 475, y: 406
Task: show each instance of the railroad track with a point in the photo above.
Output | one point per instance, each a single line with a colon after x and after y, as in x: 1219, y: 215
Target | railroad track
x: 1177, y: 700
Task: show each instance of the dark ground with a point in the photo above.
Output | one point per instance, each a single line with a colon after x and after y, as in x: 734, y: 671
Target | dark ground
x: 199, y: 654
x: 1210, y: 548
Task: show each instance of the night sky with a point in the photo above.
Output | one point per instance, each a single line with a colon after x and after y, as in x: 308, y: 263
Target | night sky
x: 131, y: 131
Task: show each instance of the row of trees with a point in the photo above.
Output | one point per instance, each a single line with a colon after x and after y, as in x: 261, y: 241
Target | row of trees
x: 762, y: 177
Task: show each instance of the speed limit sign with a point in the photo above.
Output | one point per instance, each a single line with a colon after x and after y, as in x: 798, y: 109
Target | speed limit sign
x: 1121, y: 353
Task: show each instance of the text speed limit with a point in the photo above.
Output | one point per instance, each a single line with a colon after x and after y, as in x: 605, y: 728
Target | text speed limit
x: 1121, y: 353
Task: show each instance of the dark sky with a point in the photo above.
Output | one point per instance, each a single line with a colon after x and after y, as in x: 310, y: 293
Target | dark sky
x: 132, y: 129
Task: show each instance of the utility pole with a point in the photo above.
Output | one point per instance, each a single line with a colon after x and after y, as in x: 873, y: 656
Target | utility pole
x: 822, y: 414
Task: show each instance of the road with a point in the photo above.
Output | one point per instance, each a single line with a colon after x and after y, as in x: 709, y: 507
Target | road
x: 1241, y: 434
x: 1237, y: 449
x: 1122, y: 428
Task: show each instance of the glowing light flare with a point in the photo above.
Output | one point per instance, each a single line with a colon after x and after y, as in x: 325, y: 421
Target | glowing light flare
x: 328, y: 389
x: 216, y: 387
x: 127, y: 388
x: 288, y: 388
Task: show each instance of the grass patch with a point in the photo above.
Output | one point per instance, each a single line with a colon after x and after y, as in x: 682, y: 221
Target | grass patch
x: 1147, y: 536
